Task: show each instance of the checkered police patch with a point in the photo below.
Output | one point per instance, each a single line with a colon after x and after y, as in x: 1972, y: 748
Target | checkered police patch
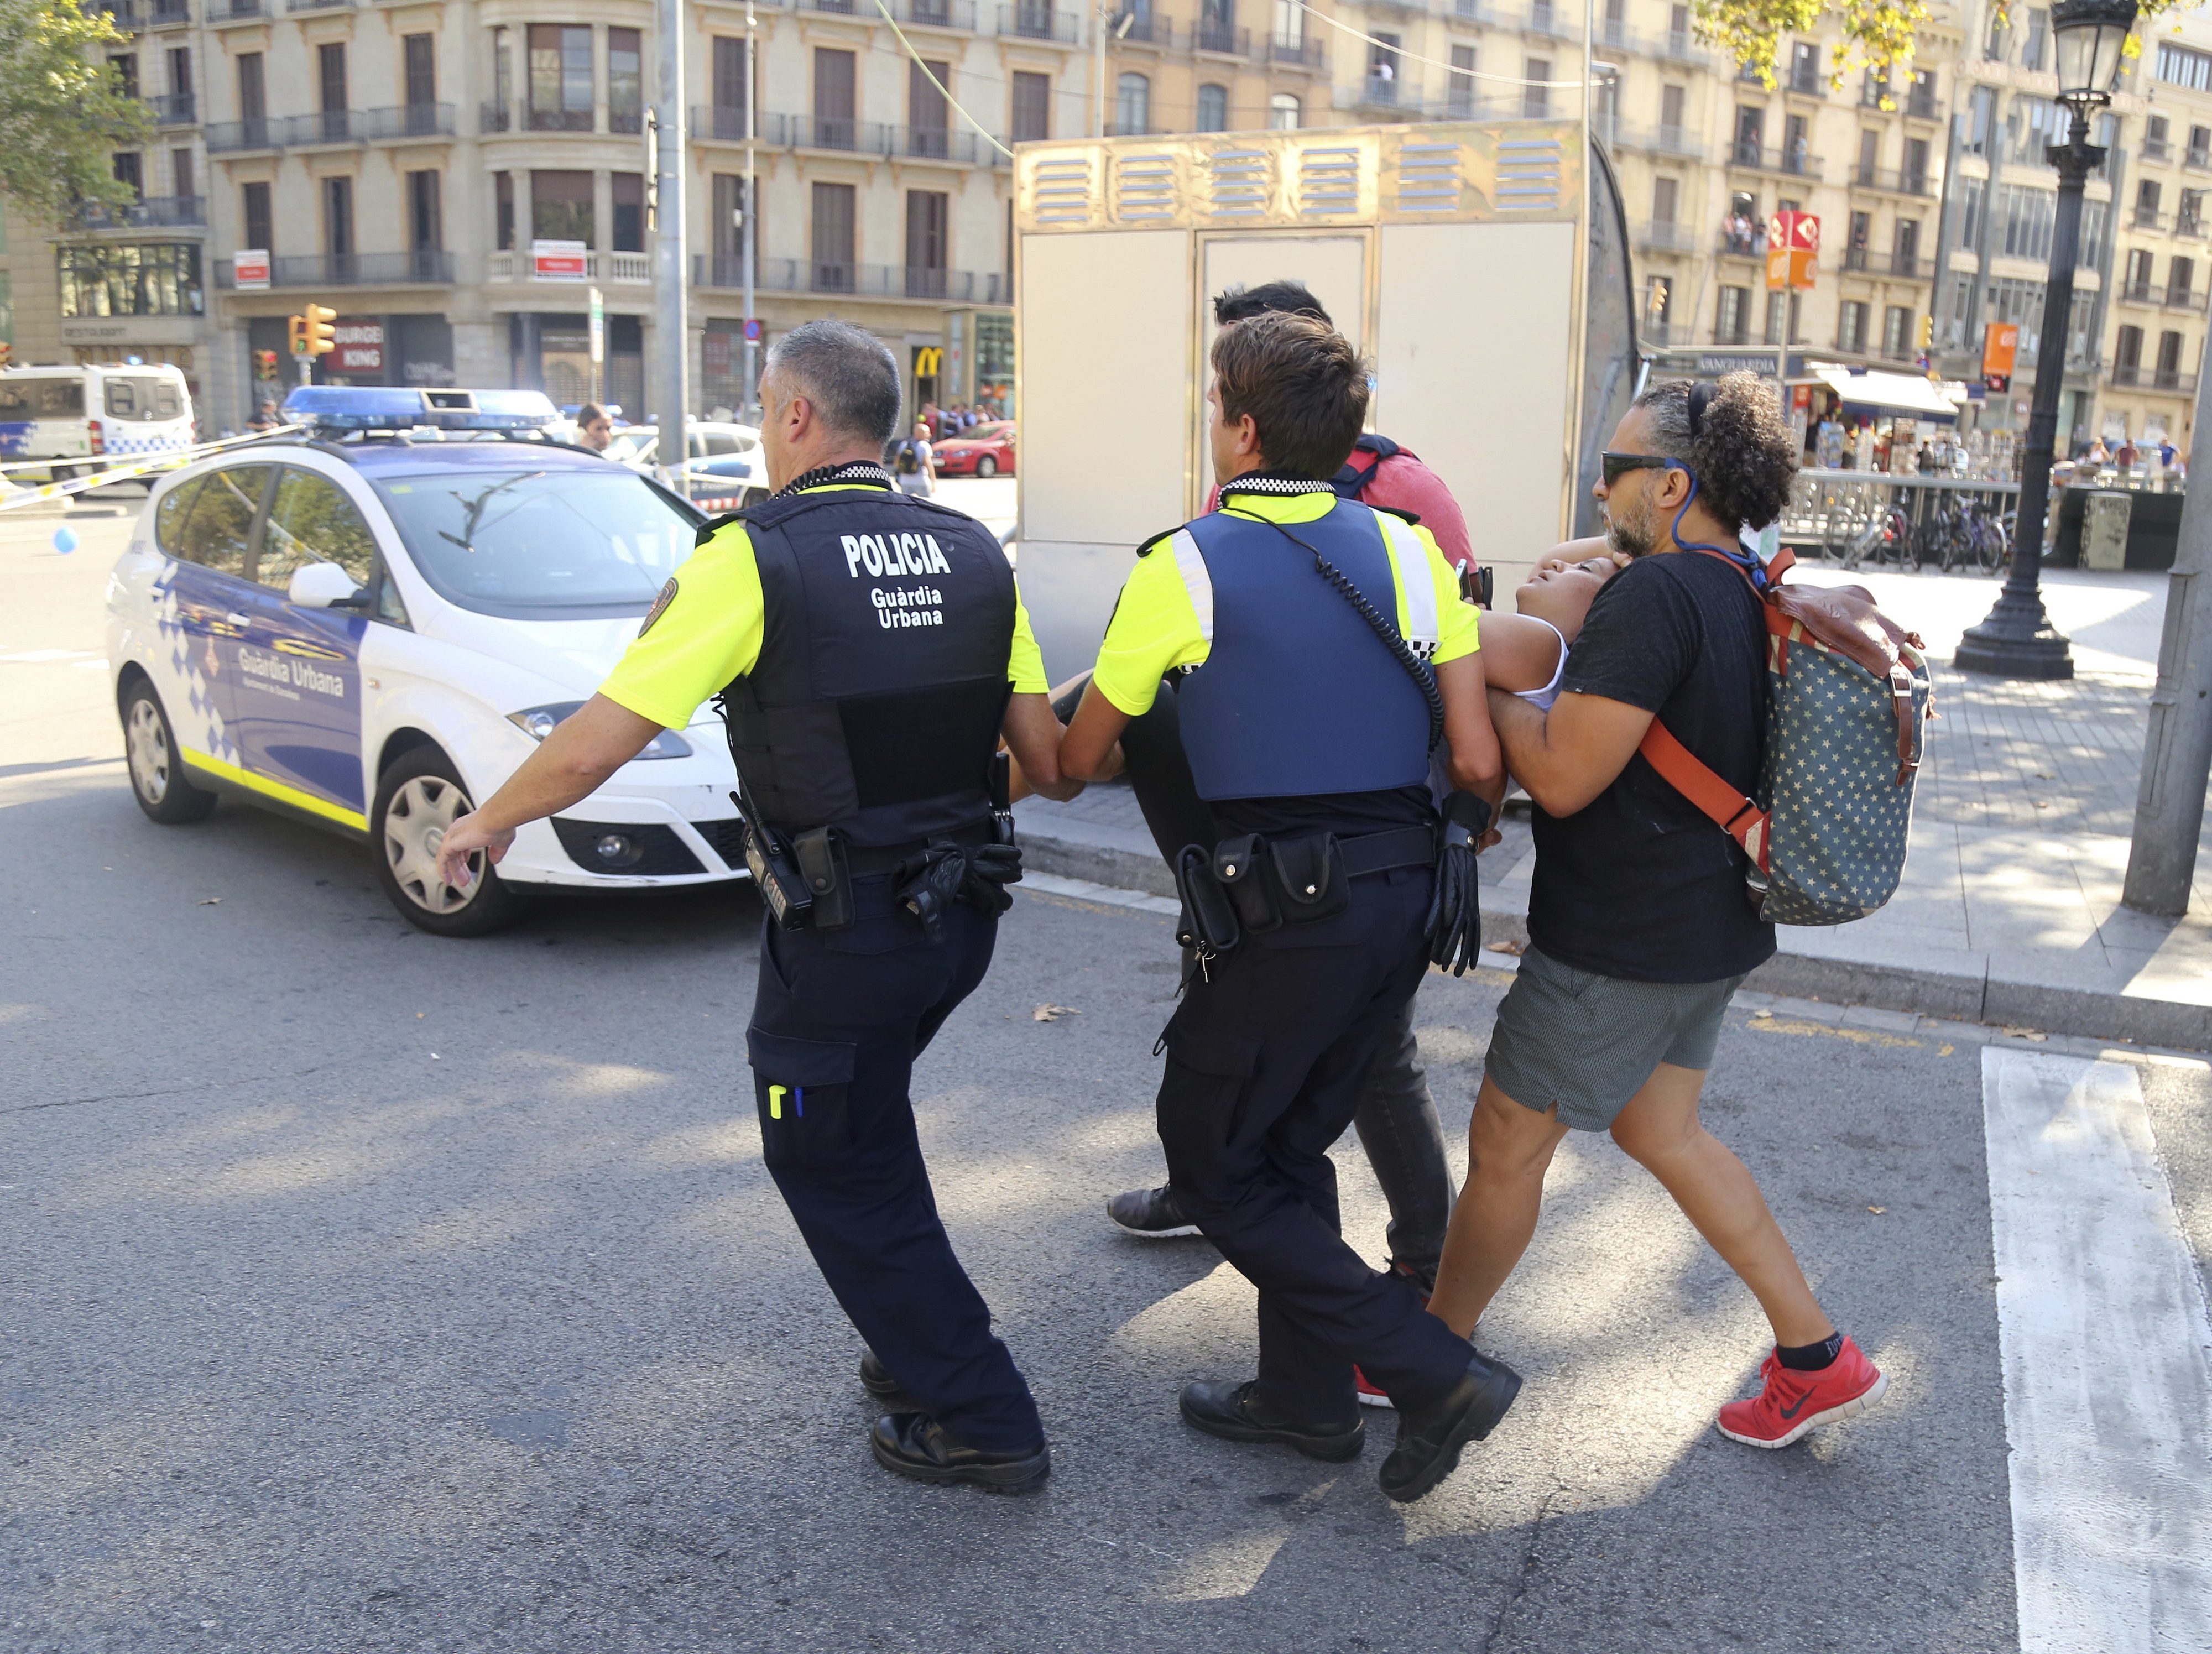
x: 659, y: 606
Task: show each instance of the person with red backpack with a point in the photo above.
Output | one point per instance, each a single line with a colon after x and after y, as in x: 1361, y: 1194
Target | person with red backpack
x: 1639, y: 924
x: 1396, y: 1118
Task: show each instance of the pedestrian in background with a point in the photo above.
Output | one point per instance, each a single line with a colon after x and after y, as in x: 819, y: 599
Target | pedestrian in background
x: 913, y: 462
x: 594, y: 429
x: 1639, y: 927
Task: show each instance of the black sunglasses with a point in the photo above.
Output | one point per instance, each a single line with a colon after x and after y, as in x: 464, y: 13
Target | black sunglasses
x: 1618, y: 466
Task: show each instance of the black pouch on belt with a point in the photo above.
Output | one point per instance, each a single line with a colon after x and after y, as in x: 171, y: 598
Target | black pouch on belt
x: 1209, y: 921
x: 1240, y: 864
x: 1309, y: 879
x: 821, y: 857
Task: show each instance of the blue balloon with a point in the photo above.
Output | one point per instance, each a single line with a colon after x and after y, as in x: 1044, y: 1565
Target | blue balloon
x: 64, y: 540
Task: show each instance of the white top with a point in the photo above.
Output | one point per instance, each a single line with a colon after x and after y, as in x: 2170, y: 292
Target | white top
x: 1542, y: 698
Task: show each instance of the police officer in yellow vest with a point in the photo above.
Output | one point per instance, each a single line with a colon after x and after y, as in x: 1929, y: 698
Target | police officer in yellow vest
x: 870, y: 649
x: 1325, y: 650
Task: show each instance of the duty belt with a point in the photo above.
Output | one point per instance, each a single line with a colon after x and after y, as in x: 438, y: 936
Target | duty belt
x: 1251, y: 884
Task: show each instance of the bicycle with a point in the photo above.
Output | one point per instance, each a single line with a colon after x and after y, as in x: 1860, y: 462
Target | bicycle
x: 1883, y: 537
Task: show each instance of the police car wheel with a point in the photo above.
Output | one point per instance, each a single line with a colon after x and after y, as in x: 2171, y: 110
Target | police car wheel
x: 157, y: 774
x: 418, y: 798
x: 986, y: 466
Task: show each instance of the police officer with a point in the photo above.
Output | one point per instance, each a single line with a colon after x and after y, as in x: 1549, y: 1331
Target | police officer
x: 1309, y: 915
x: 870, y: 649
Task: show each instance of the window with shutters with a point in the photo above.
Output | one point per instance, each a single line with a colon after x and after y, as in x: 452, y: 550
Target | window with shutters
x: 834, y: 103
x: 831, y: 236
x: 1032, y: 107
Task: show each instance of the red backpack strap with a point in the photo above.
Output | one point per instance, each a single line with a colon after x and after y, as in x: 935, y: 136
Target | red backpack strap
x: 1690, y: 775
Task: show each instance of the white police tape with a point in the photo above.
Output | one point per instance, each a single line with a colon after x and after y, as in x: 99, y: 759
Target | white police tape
x: 169, y: 461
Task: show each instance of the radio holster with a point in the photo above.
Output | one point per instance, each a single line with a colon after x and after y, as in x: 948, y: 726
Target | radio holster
x: 820, y: 855
x: 775, y: 870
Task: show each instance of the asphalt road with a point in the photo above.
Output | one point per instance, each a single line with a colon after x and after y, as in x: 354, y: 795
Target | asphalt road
x: 364, y: 1291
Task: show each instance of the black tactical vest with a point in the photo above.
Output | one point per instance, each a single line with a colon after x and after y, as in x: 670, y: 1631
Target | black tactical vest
x: 876, y: 703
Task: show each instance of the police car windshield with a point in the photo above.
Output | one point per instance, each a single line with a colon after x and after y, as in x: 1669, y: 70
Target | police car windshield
x: 540, y: 545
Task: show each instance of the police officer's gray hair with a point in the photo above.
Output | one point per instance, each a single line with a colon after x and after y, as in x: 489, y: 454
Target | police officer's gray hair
x: 847, y: 373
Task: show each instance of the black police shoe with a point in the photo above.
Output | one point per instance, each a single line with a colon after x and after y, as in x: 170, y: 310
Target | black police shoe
x: 1429, y: 1438
x: 1154, y: 1213
x: 915, y: 1444
x: 877, y: 1380
x: 1226, y: 1410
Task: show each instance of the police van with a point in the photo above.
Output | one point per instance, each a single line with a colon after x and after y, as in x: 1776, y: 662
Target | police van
x: 94, y: 412
x: 371, y: 630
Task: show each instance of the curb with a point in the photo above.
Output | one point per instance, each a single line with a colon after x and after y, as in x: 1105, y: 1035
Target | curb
x: 1077, y: 850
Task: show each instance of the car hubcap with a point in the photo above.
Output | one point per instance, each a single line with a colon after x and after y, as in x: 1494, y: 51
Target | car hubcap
x: 148, y: 744
x: 415, y: 825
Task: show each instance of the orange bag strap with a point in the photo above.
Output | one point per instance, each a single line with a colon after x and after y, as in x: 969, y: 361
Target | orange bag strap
x: 1690, y: 775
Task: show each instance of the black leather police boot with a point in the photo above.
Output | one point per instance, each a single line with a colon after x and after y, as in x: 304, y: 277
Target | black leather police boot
x: 879, y: 1382
x: 1429, y: 1438
x: 1226, y: 1410
x: 1154, y: 1213
x: 915, y: 1444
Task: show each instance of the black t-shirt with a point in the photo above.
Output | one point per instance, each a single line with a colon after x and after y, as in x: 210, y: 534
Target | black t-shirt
x: 1639, y: 882
x: 1348, y: 815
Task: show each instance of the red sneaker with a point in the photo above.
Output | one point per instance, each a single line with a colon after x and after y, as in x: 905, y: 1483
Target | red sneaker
x: 1369, y: 1396
x: 1789, y: 1403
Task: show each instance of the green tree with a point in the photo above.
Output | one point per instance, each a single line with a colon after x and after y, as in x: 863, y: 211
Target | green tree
x: 1877, y: 33
x: 62, y: 113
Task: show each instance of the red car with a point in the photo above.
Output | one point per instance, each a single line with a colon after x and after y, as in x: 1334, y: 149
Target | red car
x: 985, y: 451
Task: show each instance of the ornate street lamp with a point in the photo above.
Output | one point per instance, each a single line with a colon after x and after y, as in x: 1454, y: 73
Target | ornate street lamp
x: 2018, y: 640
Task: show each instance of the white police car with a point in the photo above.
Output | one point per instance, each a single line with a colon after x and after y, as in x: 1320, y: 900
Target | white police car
x: 372, y: 630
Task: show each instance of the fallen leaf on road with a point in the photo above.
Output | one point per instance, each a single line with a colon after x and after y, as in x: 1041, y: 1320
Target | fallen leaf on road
x: 2035, y: 1034
x: 1054, y: 1012
x: 1877, y: 1210
x: 210, y: 901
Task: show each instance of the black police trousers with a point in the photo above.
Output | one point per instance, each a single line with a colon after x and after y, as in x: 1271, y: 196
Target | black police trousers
x: 838, y: 1020
x: 1265, y: 1060
x: 1396, y: 1118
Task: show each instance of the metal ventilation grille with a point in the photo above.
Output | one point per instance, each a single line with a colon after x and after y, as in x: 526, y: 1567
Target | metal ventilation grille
x: 1144, y: 187
x: 1328, y: 180
x: 1529, y: 176
x: 1428, y: 177
x: 1238, y: 182
x: 1063, y: 191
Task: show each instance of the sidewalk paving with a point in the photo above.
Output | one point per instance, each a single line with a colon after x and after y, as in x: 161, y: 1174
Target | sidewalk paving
x: 2010, y: 910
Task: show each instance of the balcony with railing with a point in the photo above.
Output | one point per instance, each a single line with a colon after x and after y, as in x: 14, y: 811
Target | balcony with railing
x: 235, y: 11
x: 1660, y: 141
x: 1893, y: 180
x: 558, y: 120
x: 722, y: 124
x: 176, y: 109
x: 296, y: 6
x: 408, y: 120
x: 1920, y: 103
x: 2147, y: 218
x: 1393, y: 93
x: 1790, y: 161
x: 2153, y: 379
x: 1304, y: 54
x: 895, y: 282
x: 1031, y: 22
x: 2183, y: 298
x: 613, y: 269
x: 231, y: 137
x: 494, y: 117
x: 150, y: 212
x: 1907, y: 266
x: 1658, y: 235
x: 2157, y: 150
x: 1555, y: 21
x: 425, y: 267
x: 1224, y: 40
x: 1679, y: 46
x: 922, y: 13
x: 1471, y: 11
x: 2199, y: 158
x: 2136, y: 293
x: 1750, y: 243
x: 167, y: 14
x: 1155, y: 31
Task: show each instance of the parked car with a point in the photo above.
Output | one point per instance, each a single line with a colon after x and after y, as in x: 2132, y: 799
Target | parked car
x: 726, y: 469
x: 371, y: 631
x: 985, y: 451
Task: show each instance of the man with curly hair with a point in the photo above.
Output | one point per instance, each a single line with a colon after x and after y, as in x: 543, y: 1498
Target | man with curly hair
x: 1638, y: 926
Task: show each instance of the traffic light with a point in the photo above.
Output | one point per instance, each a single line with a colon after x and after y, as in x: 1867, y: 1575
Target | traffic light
x: 1928, y: 332
x: 298, y: 336
x: 265, y: 362
x: 321, y: 337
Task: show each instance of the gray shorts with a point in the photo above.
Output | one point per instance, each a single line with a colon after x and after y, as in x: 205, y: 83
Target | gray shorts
x: 1587, y: 1042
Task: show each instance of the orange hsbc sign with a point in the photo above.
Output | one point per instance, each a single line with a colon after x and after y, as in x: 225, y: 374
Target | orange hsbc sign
x: 2000, y: 353
x: 1793, y: 251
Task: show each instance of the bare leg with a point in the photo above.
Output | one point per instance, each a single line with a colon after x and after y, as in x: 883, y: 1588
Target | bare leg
x: 1660, y: 1130
x: 1508, y: 1150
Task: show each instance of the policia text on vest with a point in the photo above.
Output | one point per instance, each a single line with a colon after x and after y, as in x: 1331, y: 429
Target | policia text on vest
x: 867, y: 750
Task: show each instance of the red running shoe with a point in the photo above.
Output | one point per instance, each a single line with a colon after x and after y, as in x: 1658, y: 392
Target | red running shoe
x: 1789, y: 1403
x: 1369, y: 1396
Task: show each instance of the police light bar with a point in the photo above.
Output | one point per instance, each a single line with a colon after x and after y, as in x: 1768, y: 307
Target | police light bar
x: 382, y: 408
